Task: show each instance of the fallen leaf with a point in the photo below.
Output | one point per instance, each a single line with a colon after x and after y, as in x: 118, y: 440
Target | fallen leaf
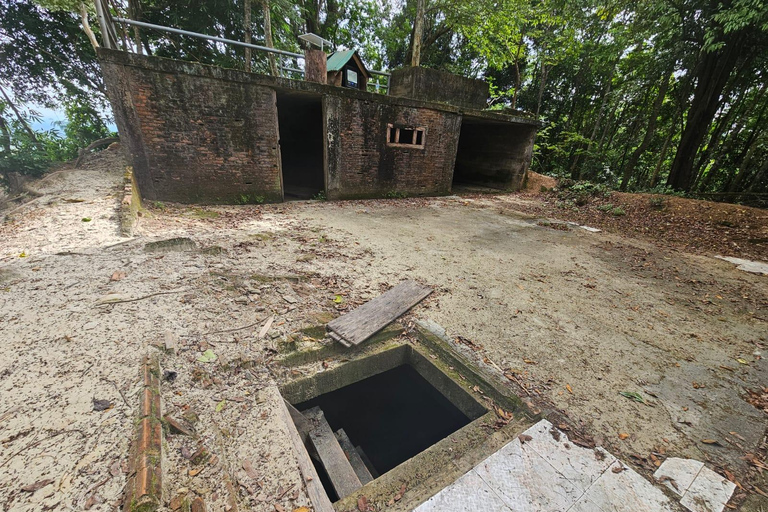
x: 338, y: 299
x: 23, y: 254
x: 632, y: 396
x: 221, y: 405
x: 101, y: 405
x: 569, y: 388
x: 117, y: 275
x: 37, y: 485
x: 623, y: 436
x: 207, y: 357
x: 711, y: 441
x: 618, y: 469
x: 196, y: 471
x: 524, y: 438
x: 86, y: 219
x: 362, y: 504
x: 742, y: 361
x: 279, y: 507
x: 301, y: 509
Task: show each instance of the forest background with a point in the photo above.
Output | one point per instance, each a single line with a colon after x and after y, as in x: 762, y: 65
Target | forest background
x: 665, y: 96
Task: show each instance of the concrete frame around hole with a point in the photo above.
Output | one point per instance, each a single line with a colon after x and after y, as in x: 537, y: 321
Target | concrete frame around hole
x: 427, y: 472
x: 305, y: 389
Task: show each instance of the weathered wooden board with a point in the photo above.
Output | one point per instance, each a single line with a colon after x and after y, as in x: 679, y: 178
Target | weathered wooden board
x: 357, y: 326
x: 315, y: 491
x: 354, y: 458
x: 338, y: 468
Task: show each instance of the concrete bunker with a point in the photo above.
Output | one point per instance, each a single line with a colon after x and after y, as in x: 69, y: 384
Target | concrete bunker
x: 300, y: 125
x: 492, y: 154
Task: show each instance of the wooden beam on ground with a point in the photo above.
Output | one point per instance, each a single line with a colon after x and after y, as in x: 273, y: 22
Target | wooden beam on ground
x: 354, y: 458
x: 315, y: 491
x: 332, y: 457
x: 357, y: 326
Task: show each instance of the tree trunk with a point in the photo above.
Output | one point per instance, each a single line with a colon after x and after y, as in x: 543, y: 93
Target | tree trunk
x: 418, y: 34
x: 268, y: 36
x: 662, y: 157
x: 518, y: 79
x: 134, y: 11
x: 248, y: 33
x: 5, y: 141
x: 650, y: 131
x: 87, y: 26
x: 714, y: 71
x: 21, y: 120
x: 756, y: 180
x: 542, y: 83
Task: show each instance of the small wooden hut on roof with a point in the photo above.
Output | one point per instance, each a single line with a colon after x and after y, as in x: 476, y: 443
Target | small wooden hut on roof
x: 346, y: 69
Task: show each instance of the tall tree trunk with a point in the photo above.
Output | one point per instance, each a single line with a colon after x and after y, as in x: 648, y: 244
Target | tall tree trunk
x: 247, y: 28
x: 756, y: 180
x: 745, y: 168
x: 662, y: 157
x: 542, y: 83
x: 517, y: 72
x: 596, y: 126
x: 268, y: 36
x: 19, y: 117
x: 418, y: 34
x: 629, y: 168
x: 134, y: 11
x: 5, y: 141
x: 87, y: 26
x: 712, y: 76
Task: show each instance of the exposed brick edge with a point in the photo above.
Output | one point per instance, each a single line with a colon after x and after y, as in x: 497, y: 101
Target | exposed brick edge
x: 130, y: 205
x: 143, y: 492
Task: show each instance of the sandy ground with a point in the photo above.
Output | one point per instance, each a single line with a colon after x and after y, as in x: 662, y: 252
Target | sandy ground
x: 575, y: 317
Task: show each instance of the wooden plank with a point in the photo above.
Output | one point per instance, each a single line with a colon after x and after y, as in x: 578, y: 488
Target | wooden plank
x: 354, y: 458
x: 365, y: 321
x: 338, y: 468
x: 303, y: 425
x: 367, y: 462
x: 315, y: 491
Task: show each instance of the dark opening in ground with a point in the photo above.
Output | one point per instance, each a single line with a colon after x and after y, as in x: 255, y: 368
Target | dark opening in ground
x: 391, y: 416
x: 490, y: 155
x: 300, y: 119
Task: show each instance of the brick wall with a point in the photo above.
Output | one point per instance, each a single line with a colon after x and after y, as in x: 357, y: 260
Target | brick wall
x: 362, y: 164
x: 203, y: 134
x: 196, y: 139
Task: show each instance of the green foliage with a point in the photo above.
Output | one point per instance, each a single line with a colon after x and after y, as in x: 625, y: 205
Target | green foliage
x: 394, y: 194
x: 250, y: 199
x: 617, y: 211
x: 320, y: 196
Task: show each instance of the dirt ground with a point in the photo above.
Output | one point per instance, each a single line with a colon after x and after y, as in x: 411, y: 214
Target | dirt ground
x: 573, y: 318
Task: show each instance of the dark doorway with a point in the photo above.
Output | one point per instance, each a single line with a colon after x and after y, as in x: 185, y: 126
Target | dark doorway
x: 300, y: 119
x: 491, y: 155
x: 391, y: 416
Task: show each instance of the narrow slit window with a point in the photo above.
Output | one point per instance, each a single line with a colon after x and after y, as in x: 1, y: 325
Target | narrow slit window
x: 405, y: 136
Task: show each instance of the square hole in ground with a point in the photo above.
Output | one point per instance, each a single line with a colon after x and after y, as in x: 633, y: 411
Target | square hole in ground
x: 371, y: 415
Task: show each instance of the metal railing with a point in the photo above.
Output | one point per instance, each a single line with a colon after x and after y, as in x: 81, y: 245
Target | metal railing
x: 256, y: 47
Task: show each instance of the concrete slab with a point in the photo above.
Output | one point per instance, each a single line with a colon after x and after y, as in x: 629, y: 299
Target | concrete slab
x: 628, y: 491
x: 526, y: 482
x: 468, y: 493
x: 581, y: 466
x: 678, y: 474
x: 549, y: 474
x: 709, y: 492
x: 755, y: 267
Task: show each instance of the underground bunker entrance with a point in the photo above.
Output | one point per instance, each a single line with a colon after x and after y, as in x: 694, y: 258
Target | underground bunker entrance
x: 490, y: 155
x: 300, y: 121
x: 382, y: 411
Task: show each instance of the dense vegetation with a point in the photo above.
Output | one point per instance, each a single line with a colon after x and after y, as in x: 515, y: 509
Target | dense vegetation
x: 663, y: 94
